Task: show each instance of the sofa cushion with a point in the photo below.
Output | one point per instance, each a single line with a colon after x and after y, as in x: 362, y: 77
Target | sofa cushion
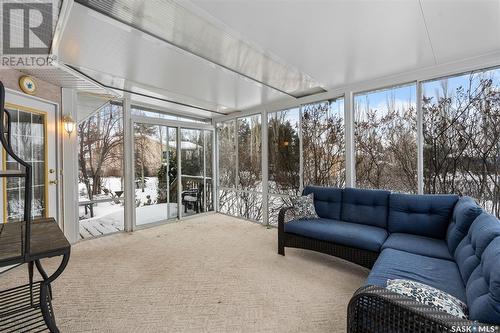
x: 365, y: 206
x: 303, y: 207
x: 425, y: 246
x: 425, y: 215
x: 465, y: 212
x: 468, y: 254
x: 438, y: 273
x: 344, y: 233
x: 477, y: 256
x: 483, y: 287
x: 327, y: 201
x: 429, y: 295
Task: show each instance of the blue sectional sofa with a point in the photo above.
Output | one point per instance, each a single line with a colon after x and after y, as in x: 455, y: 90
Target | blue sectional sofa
x: 445, y: 241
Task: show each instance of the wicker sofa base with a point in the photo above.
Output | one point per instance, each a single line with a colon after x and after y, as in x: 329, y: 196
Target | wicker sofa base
x: 358, y: 256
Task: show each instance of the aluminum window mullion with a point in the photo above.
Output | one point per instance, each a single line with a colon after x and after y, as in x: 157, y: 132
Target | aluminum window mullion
x: 179, y: 174
x: 237, y: 166
x: 301, y: 153
x: 167, y: 170
x: 204, y: 134
x: 128, y: 167
x: 237, y: 158
x: 420, y: 139
x: 265, y: 169
x: 350, y: 154
x: 215, y: 171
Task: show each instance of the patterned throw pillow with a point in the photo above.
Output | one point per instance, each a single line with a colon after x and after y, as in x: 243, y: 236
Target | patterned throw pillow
x: 428, y: 295
x: 304, y: 207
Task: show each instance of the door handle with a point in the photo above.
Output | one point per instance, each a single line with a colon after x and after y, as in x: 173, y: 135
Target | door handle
x: 53, y: 182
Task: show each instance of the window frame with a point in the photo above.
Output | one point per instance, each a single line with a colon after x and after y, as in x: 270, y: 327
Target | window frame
x: 418, y: 78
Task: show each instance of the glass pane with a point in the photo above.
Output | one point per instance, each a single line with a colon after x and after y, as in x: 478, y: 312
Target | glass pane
x: 250, y: 206
x: 209, y: 170
x: 227, y: 154
x: 14, y: 144
x: 150, y: 175
x: 192, y: 153
x: 172, y: 172
x: 275, y: 204
x: 386, y: 139
x: 101, y: 172
x: 192, y: 195
x: 461, y: 127
x: 38, y: 149
x: 250, y: 153
x: 38, y: 169
x: 13, y: 182
x: 192, y: 167
x: 24, y: 125
x: 284, y: 152
x: 31, y: 149
x: 324, y: 143
x: 38, y: 125
x: 228, y: 202
x: 38, y: 201
x: 15, y: 206
x: 24, y: 148
x: 14, y: 119
x: 209, y: 192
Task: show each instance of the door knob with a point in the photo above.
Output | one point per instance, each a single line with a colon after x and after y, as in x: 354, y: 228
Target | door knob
x: 53, y: 182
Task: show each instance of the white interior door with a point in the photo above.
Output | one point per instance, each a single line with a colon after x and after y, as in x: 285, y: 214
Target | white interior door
x: 34, y: 139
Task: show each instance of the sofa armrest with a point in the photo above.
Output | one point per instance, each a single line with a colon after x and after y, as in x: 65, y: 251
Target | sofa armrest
x: 282, y: 218
x: 376, y: 309
x: 283, y: 215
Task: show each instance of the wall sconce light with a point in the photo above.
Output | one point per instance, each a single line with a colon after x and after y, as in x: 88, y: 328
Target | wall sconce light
x: 69, y: 124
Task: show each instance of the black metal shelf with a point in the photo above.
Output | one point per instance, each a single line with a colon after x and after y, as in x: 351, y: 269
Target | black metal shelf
x: 46, y: 240
x: 12, y: 173
x: 20, y: 309
x: 27, y: 308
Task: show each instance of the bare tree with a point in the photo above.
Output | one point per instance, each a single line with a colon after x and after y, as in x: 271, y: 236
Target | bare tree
x: 145, y: 143
x: 99, y: 138
x: 323, y: 145
x: 386, y: 145
x: 462, y: 139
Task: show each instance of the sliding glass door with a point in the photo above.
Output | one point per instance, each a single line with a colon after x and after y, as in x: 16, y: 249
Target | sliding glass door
x: 167, y: 188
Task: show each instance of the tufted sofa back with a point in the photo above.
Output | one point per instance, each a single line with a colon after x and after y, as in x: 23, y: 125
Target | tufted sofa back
x: 424, y: 215
x: 327, y: 201
x: 365, y: 206
x: 477, y: 257
x: 465, y: 212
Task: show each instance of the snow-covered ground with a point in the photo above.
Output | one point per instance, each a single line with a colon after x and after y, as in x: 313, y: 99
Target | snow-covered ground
x: 109, y: 216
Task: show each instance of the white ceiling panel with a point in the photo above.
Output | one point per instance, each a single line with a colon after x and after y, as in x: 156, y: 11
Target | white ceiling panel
x: 118, y: 55
x: 336, y: 42
x: 462, y: 29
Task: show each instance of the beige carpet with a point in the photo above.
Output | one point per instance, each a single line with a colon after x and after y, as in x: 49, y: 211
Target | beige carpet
x: 209, y: 274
